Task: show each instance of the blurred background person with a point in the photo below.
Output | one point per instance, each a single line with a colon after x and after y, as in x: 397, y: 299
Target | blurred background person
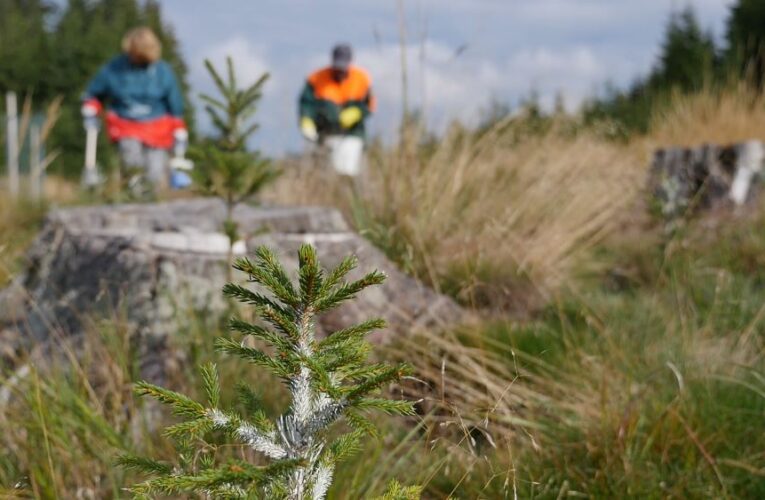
x: 144, y: 106
x: 334, y: 104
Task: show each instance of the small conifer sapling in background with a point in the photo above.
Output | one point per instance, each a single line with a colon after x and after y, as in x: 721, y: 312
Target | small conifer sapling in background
x: 328, y: 380
x: 224, y: 167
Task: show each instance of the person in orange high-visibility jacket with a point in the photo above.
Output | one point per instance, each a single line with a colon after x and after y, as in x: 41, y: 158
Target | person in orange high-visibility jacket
x: 334, y: 105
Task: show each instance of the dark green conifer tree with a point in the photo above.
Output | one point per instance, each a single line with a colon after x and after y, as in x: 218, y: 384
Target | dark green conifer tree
x: 745, y: 55
x: 687, y: 59
x: 25, y: 46
x: 25, y: 53
x: 687, y: 62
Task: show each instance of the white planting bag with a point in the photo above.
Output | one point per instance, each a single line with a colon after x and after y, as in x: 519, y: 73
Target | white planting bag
x: 345, y: 153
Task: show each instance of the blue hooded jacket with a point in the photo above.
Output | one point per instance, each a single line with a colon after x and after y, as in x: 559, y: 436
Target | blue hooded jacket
x: 136, y: 92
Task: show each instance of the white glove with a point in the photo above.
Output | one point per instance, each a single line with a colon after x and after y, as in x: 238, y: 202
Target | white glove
x: 179, y: 160
x: 181, y: 137
x: 89, y: 116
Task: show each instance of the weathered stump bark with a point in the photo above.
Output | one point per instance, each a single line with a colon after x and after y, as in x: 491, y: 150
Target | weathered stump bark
x: 684, y: 180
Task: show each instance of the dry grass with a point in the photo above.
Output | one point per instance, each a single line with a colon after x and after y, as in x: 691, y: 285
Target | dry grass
x: 505, y: 218
x: 649, y: 392
x: 484, y: 216
x: 18, y: 225
x: 608, y: 401
x: 653, y: 390
x: 20, y: 221
x: 714, y: 116
x: 64, y: 419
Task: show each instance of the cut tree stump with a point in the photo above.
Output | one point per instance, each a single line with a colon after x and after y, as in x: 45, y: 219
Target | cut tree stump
x: 154, y: 266
x: 688, y: 180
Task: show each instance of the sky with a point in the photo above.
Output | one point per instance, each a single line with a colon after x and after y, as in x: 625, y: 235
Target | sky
x: 462, y: 54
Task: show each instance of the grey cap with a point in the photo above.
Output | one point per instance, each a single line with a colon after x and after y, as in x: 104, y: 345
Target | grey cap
x: 342, y: 55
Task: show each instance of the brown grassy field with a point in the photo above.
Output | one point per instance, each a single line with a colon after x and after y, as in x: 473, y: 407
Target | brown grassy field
x: 573, y: 384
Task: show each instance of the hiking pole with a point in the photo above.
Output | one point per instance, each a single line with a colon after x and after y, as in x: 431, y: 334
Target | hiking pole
x: 90, y: 176
x: 179, y: 164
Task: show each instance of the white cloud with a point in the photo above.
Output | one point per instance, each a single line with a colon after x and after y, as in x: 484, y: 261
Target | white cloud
x: 250, y: 60
x: 447, y: 85
x: 573, y: 72
x: 512, y: 48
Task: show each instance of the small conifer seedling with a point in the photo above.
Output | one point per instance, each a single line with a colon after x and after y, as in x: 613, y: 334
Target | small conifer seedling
x: 224, y: 166
x: 328, y: 380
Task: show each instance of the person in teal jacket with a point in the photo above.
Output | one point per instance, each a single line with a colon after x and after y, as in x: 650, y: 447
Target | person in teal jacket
x: 144, y: 104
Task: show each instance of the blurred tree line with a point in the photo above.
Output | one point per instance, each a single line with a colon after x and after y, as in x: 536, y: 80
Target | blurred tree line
x: 689, y: 61
x: 52, y: 48
x: 48, y: 49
